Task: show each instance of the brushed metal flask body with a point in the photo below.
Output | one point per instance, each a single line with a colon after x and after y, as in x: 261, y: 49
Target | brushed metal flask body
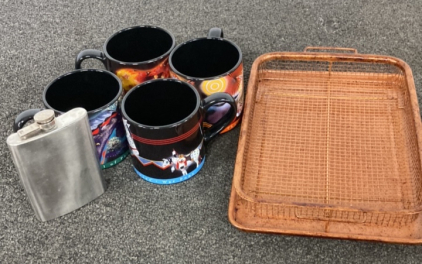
x: 58, y: 166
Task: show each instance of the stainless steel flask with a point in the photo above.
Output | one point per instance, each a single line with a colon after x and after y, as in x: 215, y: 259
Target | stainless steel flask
x: 57, y: 162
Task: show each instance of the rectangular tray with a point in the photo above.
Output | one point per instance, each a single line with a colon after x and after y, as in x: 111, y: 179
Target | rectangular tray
x: 330, y: 146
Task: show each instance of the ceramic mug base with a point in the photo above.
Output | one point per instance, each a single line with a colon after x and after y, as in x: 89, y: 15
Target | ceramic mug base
x: 173, y: 180
x: 116, y: 161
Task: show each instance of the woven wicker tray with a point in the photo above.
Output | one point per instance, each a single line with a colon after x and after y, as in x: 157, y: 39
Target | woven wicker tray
x: 330, y: 146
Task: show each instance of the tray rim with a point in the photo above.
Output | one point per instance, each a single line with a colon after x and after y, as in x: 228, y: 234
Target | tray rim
x: 317, y: 56
x: 394, y: 240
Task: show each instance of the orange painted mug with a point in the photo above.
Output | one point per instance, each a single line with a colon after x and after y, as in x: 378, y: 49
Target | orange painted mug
x: 211, y: 64
x: 135, y: 54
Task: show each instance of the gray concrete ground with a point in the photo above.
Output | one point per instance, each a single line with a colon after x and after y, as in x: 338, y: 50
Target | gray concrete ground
x: 135, y: 221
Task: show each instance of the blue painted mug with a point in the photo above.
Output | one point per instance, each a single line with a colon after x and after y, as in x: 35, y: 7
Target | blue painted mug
x: 99, y: 92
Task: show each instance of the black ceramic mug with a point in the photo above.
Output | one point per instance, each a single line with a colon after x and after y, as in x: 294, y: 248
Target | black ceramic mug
x: 134, y: 54
x: 98, y: 91
x: 211, y: 64
x: 163, y: 122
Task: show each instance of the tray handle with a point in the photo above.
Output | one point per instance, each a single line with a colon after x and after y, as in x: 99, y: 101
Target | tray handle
x: 352, y: 50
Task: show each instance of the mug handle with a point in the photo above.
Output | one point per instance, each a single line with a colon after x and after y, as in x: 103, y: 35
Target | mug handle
x: 215, y: 32
x: 225, y: 120
x: 89, y: 54
x: 24, y: 117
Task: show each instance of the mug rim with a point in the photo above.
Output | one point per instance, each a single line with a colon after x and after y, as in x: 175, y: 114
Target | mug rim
x: 139, y: 62
x: 119, y: 93
x: 173, y: 69
x: 175, y: 124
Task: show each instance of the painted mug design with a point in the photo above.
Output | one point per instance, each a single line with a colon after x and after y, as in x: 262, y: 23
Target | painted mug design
x: 231, y: 84
x: 180, y: 166
x: 109, y: 136
x: 131, y: 77
x: 135, y: 54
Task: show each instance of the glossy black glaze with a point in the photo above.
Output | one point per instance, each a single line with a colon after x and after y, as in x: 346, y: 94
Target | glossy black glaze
x: 140, y: 47
x: 89, y: 54
x: 78, y: 88
x: 23, y: 118
x: 138, y: 44
x: 215, y: 32
x: 169, y: 102
x: 211, y: 57
x: 91, y: 89
x: 165, y: 116
x: 219, y: 98
x: 98, y: 91
x: 211, y: 65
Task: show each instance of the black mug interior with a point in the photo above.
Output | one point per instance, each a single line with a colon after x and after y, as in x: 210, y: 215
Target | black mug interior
x: 88, y: 89
x: 204, y: 58
x: 160, y: 103
x: 139, y: 44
